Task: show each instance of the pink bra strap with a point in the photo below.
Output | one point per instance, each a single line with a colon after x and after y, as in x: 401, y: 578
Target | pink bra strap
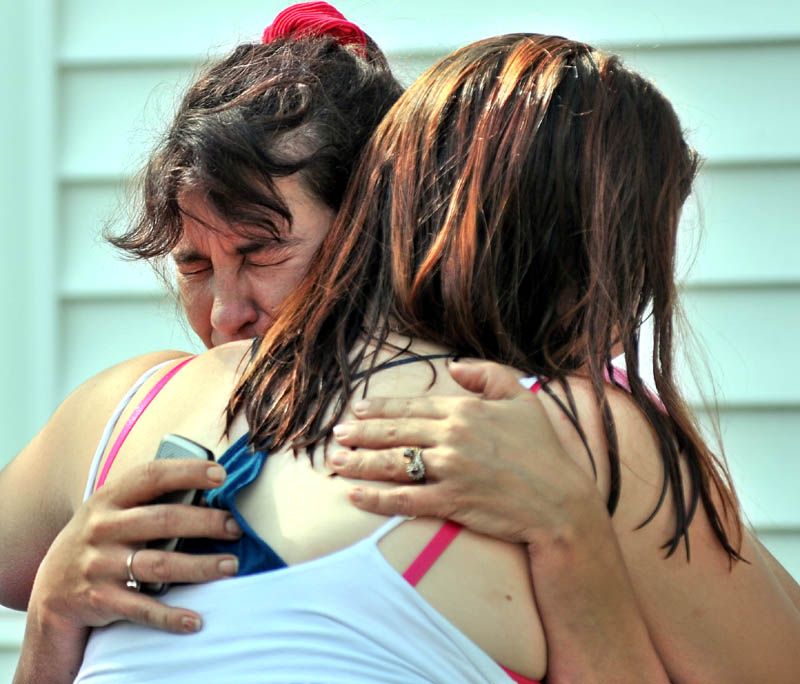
x: 621, y: 378
x: 518, y: 677
x: 430, y: 554
x: 135, y: 417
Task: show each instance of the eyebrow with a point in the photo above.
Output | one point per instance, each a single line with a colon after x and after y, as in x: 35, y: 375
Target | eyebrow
x: 259, y: 245
x: 188, y: 256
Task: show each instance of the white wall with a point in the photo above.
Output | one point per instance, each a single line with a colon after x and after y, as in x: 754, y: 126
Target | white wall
x: 88, y: 84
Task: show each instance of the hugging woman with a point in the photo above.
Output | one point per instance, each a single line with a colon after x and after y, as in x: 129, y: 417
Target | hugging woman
x: 495, y: 214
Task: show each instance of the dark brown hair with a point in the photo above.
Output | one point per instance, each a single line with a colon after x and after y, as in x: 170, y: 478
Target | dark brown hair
x: 263, y: 112
x: 519, y: 203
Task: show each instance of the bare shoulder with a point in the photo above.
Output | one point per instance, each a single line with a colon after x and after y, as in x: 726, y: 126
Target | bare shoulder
x: 230, y: 358
x: 114, y: 381
x: 223, y: 364
x: 56, y: 460
x: 642, y: 495
x: 80, y: 419
x: 585, y: 439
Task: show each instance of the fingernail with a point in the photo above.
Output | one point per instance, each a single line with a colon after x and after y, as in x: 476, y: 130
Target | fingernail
x: 362, y: 406
x: 341, y: 431
x: 357, y: 495
x: 339, y: 458
x: 216, y: 474
x: 232, y: 527
x: 191, y: 624
x: 229, y: 566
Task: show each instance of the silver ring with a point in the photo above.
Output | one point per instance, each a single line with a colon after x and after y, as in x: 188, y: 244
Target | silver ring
x: 132, y: 582
x: 415, y: 467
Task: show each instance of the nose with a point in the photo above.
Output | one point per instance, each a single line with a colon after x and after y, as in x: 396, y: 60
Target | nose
x: 233, y: 313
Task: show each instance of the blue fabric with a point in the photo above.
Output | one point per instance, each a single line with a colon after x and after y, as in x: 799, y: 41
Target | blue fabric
x: 243, y: 466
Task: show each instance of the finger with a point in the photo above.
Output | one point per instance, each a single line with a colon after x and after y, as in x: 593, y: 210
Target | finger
x: 381, y: 464
x: 409, y: 501
x: 412, y: 407
x: 382, y: 433
x: 145, y: 610
x: 489, y: 379
x: 146, y: 482
x: 150, y: 565
x: 163, y: 521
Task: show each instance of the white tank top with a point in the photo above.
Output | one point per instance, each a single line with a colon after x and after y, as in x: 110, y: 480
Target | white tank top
x: 347, y: 618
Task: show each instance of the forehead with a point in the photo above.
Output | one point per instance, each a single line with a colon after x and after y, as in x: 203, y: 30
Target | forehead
x: 308, y: 214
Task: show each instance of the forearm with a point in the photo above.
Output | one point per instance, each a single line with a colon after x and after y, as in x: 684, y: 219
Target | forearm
x: 51, y: 650
x: 594, y: 628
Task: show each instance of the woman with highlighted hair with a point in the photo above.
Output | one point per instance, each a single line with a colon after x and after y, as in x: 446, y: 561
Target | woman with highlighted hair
x: 518, y: 204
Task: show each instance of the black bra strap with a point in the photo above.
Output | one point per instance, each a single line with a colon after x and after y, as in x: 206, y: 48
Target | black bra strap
x: 403, y: 362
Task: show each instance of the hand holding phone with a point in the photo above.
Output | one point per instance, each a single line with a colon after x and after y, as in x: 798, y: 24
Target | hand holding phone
x: 175, y: 446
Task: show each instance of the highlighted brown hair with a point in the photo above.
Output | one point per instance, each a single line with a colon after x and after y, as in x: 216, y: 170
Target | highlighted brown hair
x: 519, y: 203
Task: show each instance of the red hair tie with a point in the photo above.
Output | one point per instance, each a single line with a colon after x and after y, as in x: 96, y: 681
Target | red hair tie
x: 310, y: 19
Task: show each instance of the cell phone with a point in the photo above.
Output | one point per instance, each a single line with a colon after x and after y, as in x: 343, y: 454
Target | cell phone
x: 175, y: 446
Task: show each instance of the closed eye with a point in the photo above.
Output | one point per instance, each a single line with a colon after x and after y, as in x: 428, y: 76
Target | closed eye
x: 190, y: 262
x: 266, y: 254
x: 265, y: 261
x: 188, y: 271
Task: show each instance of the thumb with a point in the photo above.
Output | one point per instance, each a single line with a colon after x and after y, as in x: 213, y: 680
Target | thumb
x: 487, y: 378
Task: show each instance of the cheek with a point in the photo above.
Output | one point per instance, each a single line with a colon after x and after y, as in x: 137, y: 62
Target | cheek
x: 271, y: 291
x: 197, y: 301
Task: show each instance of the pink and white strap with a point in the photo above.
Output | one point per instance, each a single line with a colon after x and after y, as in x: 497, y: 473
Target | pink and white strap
x: 134, y: 417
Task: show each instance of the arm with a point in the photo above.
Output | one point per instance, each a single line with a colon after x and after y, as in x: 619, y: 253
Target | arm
x: 583, y: 591
x: 711, y: 620
x: 76, y: 552
x: 593, y: 624
x: 42, y: 486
